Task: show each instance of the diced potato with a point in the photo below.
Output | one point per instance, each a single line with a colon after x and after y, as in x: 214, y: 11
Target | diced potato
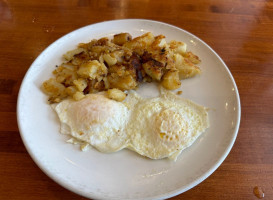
x: 102, y: 41
x: 117, y: 69
x: 80, y: 84
x: 92, y: 69
x: 71, y: 90
x: 53, y: 88
x: 139, y: 44
x: 60, y: 79
x: 186, y: 68
x: 69, y: 55
x: 121, y: 38
x: 171, y: 80
x: 109, y: 59
x: 80, y: 58
x: 162, y: 43
x: 178, y: 60
x: 119, y: 55
x: 88, y: 45
x: 189, y: 71
x: 97, y: 49
x: 193, y: 58
x: 159, y: 42
x: 116, y: 94
x: 63, y: 66
x: 120, y: 64
x: 178, y: 47
x: 78, y: 96
x: 154, y: 69
x: 126, y: 82
x: 65, y: 74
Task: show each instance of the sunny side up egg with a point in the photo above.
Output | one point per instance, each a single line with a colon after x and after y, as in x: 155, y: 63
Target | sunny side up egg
x: 96, y: 120
x: 155, y: 127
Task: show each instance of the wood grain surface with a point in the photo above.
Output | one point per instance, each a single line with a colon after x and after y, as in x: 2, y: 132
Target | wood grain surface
x: 240, y: 31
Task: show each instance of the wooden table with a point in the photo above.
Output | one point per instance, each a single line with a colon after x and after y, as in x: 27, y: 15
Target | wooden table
x: 241, y: 32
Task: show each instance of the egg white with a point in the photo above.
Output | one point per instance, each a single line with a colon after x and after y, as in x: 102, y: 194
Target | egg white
x: 154, y: 127
x: 95, y: 119
x: 165, y: 125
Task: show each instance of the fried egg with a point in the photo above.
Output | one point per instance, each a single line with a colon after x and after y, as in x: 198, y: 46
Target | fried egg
x: 96, y: 120
x: 156, y: 128
x: 164, y: 126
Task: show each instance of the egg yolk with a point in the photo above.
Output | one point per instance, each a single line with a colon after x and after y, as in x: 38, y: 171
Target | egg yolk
x: 171, y: 125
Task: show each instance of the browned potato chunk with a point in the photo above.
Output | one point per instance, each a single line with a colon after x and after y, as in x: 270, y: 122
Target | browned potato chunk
x: 177, y: 47
x: 159, y: 42
x: 71, y: 90
x: 116, y: 94
x: 171, y: 80
x: 119, y: 64
x: 154, y: 69
x: 80, y: 58
x: 102, y: 41
x: 193, y: 58
x: 54, y: 89
x: 80, y: 84
x: 78, y: 96
x: 92, y: 69
x: 126, y: 82
x: 65, y: 74
x: 189, y: 71
x: 97, y: 49
x: 69, y: 55
x: 139, y: 44
x: 109, y: 59
x: 121, y: 38
x: 185, y: 67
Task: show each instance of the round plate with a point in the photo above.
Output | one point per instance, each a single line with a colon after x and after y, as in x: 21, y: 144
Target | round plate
x: 125, y: 174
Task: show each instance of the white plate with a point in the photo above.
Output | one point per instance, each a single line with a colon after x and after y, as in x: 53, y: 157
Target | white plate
x: 126, y: 175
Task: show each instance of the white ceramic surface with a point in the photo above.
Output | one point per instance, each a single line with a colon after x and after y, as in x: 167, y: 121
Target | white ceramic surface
x: 126, y: 175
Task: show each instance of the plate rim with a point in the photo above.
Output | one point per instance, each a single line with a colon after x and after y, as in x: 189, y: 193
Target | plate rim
x: 173, y: 193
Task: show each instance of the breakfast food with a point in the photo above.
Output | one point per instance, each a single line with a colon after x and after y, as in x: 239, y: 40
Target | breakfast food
x: 156, y: 128
x: 93, y: 94
x: 123, y: 64
x: 96, y: 119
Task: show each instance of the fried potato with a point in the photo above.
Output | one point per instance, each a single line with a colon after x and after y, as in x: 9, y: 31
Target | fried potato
x: 109, y: 59
x: 78, y: 96
x: 80, y: 84
x: 139, y: 44
x: 178, y: 47
x: 154, y: 69
x: 125, y: 82
x: 116, y: 94
x: 92, y: 69
x: 69, y: 55
x: 54, y: 89
x: 185, y: 67
x: 171, y: 80
x: 121, y: 64
x: 121, y: 38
